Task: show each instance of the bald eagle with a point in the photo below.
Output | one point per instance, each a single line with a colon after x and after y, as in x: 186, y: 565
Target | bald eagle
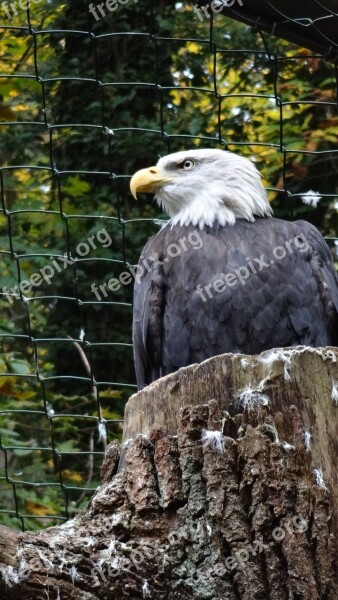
x: 224, y: 275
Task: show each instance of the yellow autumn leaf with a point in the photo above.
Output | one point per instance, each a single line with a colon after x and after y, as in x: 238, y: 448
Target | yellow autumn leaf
x: 176, y: 97
x: 7, y: 388
x: 71, y: 475
x: 35, y: 508
x: 193, y: 47
x: 273, y: 114
x: 117, y: 394
x: 23, y: 175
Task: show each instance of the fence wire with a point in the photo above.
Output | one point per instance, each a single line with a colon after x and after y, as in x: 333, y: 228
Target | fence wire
x: 87, y: 96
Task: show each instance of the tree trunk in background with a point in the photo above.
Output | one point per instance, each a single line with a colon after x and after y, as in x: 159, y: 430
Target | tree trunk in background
x: 230, y: 492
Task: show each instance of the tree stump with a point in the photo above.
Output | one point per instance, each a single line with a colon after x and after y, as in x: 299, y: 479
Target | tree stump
x: 225, y: 488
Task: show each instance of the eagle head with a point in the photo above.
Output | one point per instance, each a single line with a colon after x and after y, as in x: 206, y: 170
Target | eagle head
x: 205, y: 186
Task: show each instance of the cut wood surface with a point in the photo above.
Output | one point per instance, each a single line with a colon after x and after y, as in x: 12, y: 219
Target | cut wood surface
x: 226, y: 489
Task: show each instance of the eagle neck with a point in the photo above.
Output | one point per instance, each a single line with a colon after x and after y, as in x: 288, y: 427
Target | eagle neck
x: 216, y: 205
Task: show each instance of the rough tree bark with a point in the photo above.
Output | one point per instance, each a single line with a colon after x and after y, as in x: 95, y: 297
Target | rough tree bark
x: 226, y: 489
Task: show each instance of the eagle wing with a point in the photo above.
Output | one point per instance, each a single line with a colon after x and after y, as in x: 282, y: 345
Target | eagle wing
x: 147, y: 319
x: 324, y: 273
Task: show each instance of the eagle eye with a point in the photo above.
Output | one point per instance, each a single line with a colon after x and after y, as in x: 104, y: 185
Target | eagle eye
x: 187, y: 164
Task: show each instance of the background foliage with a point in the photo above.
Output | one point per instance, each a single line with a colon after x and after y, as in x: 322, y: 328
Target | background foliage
x: 84, y: 104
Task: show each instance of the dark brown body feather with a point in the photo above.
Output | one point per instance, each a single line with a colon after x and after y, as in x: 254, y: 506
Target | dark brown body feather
x: 289, y: 301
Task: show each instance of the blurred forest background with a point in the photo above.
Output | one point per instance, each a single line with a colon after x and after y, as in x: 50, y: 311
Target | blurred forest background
x: 83, y: 104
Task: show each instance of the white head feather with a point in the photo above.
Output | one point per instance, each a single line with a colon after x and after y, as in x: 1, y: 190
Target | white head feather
x: 208, y: 186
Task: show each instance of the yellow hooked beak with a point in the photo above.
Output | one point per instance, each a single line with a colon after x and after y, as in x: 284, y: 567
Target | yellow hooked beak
x: 147, y: 181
